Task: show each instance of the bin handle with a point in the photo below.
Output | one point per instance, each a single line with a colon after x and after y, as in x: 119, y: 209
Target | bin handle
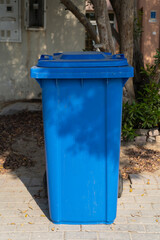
x: 46, y: 57
x: 121, y: 56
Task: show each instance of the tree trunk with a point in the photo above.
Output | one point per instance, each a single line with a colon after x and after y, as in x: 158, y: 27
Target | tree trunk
x: 124, y: 10
x: 104, y: 27
x: 139, y: 78
x: 126, y: 38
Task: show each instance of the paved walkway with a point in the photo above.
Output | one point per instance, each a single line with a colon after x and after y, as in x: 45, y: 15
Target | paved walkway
x: 24, y: 212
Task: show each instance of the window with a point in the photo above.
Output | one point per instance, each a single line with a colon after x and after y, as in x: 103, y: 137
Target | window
x: 35, y: 14
x: 152, y: 16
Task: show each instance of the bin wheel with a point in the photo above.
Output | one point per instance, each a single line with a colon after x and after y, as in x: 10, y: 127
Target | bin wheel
x: 120, y: 185
x: 45, y: 184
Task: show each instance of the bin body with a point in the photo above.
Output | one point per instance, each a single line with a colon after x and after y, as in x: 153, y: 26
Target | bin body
x: 82, y: 108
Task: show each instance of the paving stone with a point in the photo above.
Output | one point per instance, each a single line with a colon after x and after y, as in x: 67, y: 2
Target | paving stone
x: 5, y: 228
x: 101, y: 227
x: 47, y: 236
x: 136, y: 179
x: 15, y: 236
x: 153, y: 192
x: 126, y: 199
x: 152, y: 228
x: 120, y: 220
x: 146, y: 186
x: 134, y: 192
x: 153, y: 213
x: 31, y: 227
x: 145, y: 236
x: 80, y: 235
x: 129, y: 212
x: 114, y: 236
x: 64, y: 227
x: 147, y: 199
x: 141, y: 220
x: 120, y: 205
x: 129, y: 227
x: 9, y: 199
x: 156, y: 206
x: 157, y: 179
x: 138, y: 206
x: 3, y: 206
x: 149, y: 178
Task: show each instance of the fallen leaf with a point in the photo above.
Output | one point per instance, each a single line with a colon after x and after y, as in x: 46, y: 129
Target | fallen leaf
x: 130, y: 189
x: 26, y: 215
x: 12, y: 224
x: 30, y: 223
x: 156, y: 220
x: 30, y: 207
x: 142, y: 195
x: 52, y: 228
x: 24, y: 211
x: 43, y: 215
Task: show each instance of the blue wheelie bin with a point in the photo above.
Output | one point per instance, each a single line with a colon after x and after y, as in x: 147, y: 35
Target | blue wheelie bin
x: 82, y: 107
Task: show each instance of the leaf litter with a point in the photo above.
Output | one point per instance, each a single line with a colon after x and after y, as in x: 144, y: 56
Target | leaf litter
x: 11, y: 127
x: 141, y: 159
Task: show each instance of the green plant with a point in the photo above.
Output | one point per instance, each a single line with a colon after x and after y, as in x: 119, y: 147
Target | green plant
x: 128, y: 120
x: 144, y: 113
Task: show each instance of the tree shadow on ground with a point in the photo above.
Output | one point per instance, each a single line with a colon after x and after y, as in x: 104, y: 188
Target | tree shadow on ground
x: 140, y: 159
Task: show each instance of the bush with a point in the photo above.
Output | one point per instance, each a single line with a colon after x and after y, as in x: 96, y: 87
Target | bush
x: 145, y: 112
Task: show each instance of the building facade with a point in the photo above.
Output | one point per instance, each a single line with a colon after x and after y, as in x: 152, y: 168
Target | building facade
x: 29, y: 28
x: 150, y: 40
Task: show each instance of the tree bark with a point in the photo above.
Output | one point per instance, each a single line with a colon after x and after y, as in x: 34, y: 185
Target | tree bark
x: 82, y: 18
x: 139, y: 78
x: 124, y: 10
x: 104, y: 27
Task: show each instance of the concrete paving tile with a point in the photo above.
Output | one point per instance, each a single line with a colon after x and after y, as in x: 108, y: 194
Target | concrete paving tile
x: 47, y: 236
x: 31, y: 227
x: 147, y: 199
x: 156, y: 206
x: 80, y: 235
x: 15, y: 236
x: 129, y: 227
x: 64, y: 227
x: 97, y: 228
x: 142, y: 220
x: 153, y: 228
x: 138, y: 206
x: 114, y: 236
x: 145, y: 236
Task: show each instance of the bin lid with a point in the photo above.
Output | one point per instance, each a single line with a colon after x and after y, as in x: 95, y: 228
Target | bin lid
x: 81, y: 60
x: 82, y: 65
